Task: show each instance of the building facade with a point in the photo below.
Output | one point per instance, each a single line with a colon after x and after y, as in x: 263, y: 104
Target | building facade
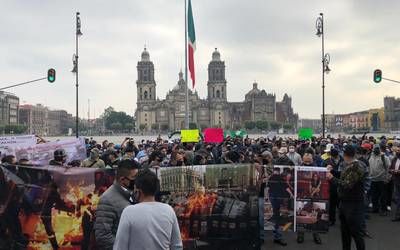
x: 9, y: 104
x: 35, y: 117
x: 214, y: 111
x: 44, y: 122
x: 392, y: 113
x: 59, y: 121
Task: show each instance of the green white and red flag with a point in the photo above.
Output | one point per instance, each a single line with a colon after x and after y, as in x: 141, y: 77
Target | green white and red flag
x: 191, y: 43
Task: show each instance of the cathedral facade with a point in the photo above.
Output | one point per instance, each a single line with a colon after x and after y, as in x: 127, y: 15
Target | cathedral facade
x: 153, y: 114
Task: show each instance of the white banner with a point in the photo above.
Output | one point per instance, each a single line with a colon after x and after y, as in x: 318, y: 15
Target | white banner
x: 41, y: 154
x: 8, y: 144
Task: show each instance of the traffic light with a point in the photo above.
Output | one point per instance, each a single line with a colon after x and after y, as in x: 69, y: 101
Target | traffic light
x: 51, y: 75
x: 377, y: 76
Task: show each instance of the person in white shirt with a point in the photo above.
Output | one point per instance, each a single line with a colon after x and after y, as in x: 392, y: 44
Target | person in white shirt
x: 148, y: 224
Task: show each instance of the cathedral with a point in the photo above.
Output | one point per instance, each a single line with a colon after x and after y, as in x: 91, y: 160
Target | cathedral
x: 215, y: 111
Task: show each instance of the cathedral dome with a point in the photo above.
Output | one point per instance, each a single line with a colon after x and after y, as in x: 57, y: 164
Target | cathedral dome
x: 145, y: 55
x: 216, y: 56
x: 255, y: 90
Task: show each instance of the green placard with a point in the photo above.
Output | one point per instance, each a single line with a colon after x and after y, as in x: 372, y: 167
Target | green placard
x: 306, y: 133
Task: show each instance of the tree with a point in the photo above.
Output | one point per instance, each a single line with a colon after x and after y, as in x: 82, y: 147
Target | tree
x: 262, y: 125
x: 249, y: 125
x: 154, y: 126
x: 287, y: 126
x: 142, y: 127
x: 117, y: 126
x: 14, y: 129
x: 275, y: 125
x: 111, y: 117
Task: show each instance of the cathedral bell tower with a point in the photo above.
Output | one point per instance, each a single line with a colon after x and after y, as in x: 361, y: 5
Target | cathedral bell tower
x: 146, y: 93
x: 216, y: 79
x: 217, y: 101
x: 146, y: 85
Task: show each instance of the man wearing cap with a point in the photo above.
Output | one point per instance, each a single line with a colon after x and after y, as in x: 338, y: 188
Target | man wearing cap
x: 94, y: 160
x: 327, y: 151
x: 59, y: 158
x: 351, y: 194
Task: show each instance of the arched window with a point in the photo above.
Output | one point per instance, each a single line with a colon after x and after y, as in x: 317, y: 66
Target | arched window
x: 218, y: 94
x: 213, y: 91
x: 145, y: 94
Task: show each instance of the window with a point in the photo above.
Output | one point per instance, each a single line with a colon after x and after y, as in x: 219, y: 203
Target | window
x: 218, y: 94
x: 140, y: 90
x: 145, y: 94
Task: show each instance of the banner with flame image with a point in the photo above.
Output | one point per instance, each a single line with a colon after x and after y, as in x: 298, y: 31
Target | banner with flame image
x: 216, y: 205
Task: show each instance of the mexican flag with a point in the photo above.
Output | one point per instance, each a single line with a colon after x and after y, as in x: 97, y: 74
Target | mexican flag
x: 191, y: 43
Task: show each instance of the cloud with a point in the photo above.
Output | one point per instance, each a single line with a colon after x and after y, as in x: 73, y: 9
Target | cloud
x: 271, y: 42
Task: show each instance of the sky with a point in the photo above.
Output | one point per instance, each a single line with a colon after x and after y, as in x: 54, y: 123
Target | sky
x: 270, y: 42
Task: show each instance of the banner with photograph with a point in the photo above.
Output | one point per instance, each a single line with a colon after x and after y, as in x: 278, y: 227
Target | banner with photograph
x: 312, y: 199
x: 296, y: 198
x: 41, y: 154
x: 56, y: 205
x: 216, y: 205
x: 8, y: 144
x: 279, y: 198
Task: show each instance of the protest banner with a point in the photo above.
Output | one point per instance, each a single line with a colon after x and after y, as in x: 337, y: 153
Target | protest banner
x: 41, y: 154
x: 306, y: 133
x: 189, y: 135
x: 312, y: 198
x: 8, y: 144
x: 213, y: 135
x: 216, y: 205
x: 296, y: 198
x: 60, y: 200
x: 279, y: 198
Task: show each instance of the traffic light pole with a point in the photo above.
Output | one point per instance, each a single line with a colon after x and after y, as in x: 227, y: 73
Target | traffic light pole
x: 390, y: 80
x: 23, y: 83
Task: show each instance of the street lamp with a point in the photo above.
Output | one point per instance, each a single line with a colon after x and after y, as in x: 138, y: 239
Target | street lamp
x: 325, y: 59
x: 75, y: 58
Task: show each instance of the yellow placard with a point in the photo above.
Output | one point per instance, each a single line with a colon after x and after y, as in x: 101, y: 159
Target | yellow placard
x: 190, y: 135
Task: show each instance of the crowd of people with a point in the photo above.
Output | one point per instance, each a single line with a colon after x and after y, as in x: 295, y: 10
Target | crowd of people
x: 364, y: 176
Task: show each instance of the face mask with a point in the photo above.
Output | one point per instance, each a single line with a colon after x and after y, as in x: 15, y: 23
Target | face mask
x: 377, y: 151
x: 131, y: 184
x: 265, y: 162
x: 291, y: 150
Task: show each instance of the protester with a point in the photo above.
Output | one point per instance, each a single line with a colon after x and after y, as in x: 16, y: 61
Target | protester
x: 59, y: 159
x: 112, y: 202
x: 294, y: 156
x: 334, y: 162
x: 94, y: 160
x: 395, y: 171
x: 148, y: 224
x: 351, y: 194
x: 378, y: 173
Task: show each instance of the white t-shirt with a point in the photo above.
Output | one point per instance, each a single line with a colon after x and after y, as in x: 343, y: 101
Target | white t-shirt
x: 148, y: 225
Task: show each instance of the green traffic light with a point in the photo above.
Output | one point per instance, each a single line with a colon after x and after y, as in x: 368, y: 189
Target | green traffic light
x: 377, y: 76
x: 51, y: 75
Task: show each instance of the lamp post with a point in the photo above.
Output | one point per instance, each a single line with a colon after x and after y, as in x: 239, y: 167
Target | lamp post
x: 75, y: 58
x: 325, y: 59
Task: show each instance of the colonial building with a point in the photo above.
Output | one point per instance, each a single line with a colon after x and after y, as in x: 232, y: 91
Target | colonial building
x: 214, y: 111
x: 8, y: 108
x: 392, y: 113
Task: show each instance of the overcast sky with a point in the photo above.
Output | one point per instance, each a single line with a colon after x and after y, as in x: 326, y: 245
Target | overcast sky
x: 271, y: 42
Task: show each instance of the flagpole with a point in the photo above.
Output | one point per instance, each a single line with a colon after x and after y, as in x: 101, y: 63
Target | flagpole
x: 186, y: 73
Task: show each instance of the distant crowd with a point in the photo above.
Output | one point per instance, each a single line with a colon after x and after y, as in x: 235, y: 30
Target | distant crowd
x: 364, y: 174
